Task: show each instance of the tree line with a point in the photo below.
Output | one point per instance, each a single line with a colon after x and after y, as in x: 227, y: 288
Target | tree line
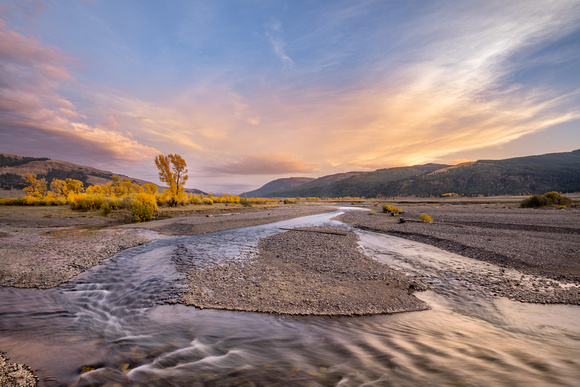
x: 141, y: 200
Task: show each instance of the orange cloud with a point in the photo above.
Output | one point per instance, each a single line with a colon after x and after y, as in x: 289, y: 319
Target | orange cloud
x: 261, y: 164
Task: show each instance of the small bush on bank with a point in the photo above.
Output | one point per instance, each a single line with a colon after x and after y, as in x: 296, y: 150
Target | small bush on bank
x: 546, y: 200
x: 372, y: 212
x: 426, y: 218
x: 387, y: 208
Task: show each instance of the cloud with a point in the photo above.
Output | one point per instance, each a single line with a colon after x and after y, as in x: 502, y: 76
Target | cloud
x: 261, y: 164
x: 273, y: 30
x: 34, y: 113
x: 450, y: 86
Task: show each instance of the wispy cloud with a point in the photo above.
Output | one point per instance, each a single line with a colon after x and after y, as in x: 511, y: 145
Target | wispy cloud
x: 273, y: 32
x: 262, y: 164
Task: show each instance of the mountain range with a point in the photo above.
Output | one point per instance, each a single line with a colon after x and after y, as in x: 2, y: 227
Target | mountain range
x: 514, y: 176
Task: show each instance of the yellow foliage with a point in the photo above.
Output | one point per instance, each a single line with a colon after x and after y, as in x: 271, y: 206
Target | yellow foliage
x: 142, y: 205
x: 57, y: 187
x: 73, y: 186
x: 387, y: 208
x: 172, y: 171
x: 36, y: 187
x: 426, y: 218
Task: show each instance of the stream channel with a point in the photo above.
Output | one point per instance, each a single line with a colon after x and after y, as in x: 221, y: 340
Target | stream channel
x: 118, y: 324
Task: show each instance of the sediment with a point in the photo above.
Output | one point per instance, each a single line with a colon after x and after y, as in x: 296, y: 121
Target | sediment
x: 542, y: 244
x: 306, y: 271
x: 16, y: 375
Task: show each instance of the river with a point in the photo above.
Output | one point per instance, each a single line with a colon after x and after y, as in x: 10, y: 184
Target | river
x: 118, y: 324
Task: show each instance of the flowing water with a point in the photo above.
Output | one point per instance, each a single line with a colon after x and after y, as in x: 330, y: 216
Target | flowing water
x: 117, y: 324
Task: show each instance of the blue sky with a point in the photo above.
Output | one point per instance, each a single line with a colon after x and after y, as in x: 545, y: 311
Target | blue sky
x: 249, y: 91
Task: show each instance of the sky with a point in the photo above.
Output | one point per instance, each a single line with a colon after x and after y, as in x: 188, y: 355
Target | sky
x: 248, y: 91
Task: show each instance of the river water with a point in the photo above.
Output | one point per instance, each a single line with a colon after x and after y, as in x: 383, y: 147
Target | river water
x: 117, y: 324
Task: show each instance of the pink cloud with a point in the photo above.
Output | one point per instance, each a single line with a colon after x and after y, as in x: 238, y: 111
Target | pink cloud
x: 30, y: 103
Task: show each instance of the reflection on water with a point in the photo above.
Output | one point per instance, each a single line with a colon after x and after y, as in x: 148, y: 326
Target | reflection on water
x: 116, y: 324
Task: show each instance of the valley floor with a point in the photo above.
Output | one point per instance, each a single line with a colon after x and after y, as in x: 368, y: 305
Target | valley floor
x: 40, y: 249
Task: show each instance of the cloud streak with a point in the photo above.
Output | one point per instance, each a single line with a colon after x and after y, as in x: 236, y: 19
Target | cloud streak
x: 274, y: 29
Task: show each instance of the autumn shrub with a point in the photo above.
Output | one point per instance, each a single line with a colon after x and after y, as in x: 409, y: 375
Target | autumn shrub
x: 546, y: 200
x: 289, y: 201
x: 372, y: 212
x: 85, y: 202
x: 557, y: 199
x: 141, y: 205
x: 426, y: 218
x: 194, y: 199
x: 387, y: 208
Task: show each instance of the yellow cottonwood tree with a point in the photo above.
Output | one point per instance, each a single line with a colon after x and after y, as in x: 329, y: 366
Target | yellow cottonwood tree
x: 58, y: 187
x: 173, y: 172
x: 36, y: 187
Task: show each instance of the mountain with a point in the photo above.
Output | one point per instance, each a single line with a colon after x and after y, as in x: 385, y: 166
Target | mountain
x: 278, y: 185
x: 14, y: 167
x: 515, y: 176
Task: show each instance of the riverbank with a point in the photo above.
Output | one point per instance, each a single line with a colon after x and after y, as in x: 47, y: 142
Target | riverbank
x: 45, y: 247
x: 544, y: 244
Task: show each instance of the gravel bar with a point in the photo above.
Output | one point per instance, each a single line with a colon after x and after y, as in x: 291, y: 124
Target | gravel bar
x: 322, y: 272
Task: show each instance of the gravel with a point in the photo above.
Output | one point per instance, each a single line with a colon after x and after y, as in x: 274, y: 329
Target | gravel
x: 15, y: 375
x: 39, y: 252
x: 306, y: 271
x: 538, y: 248
x: 42, y: 259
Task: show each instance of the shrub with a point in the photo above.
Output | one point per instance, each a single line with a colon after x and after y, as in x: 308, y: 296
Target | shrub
x: 548, y: 199
x: 85, y: 202
x: 106, y: 208
x: 387, y: 208
x: 557, y: 199
x: 372, y: 212
x: 289, y: 201
x: 426, y: 218
x: 142, y: 205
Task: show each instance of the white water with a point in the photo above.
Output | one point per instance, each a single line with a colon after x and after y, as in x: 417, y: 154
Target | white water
x: 115, y: 322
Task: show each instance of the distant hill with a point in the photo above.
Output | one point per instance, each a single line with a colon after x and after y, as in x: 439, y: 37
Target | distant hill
x: 279, y: 185
x: 321, y: 187
x: 516, y: 176
x: 14, y: 167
